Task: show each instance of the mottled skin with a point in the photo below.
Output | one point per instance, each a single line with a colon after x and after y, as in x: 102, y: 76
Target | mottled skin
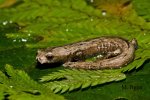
x: 118, y: 52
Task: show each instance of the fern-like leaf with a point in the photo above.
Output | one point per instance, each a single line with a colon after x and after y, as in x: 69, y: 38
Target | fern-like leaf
x: 141, y: 57
x: 17, y: 84
x: 72, y: 79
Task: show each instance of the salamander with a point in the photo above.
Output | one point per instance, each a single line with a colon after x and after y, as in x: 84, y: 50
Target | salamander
x: 116, y: 52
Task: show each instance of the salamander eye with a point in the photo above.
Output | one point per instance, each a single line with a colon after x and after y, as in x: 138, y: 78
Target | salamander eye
x: 49, y: 55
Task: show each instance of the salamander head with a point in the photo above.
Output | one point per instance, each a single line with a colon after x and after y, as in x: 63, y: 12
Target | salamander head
x: 55, y: 55
x: 44, y: 57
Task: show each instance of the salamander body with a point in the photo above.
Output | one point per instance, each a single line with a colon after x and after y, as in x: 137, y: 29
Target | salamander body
x: 116, y: 52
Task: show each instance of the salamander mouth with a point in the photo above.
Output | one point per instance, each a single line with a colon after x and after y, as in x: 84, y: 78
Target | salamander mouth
x: 42, y: 60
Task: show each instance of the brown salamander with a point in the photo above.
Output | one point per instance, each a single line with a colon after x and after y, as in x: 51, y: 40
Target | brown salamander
x: 117, y: 53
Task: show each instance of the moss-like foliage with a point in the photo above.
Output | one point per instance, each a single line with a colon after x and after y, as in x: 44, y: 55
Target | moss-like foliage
x: 59, y: 22
x: 142, y: 8
x: 33, y: 24
x: 17, y: 85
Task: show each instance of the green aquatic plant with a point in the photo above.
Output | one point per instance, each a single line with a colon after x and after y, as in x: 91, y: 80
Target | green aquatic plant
x: 68, y: 21
x: 35, y: 24
x: 17, y: 85
x: 72, y: 79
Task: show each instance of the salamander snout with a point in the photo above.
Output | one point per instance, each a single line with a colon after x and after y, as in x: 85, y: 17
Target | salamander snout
x: 43, y: 57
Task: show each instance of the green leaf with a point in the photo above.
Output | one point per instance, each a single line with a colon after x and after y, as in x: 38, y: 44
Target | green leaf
x: 74, y: 79
x: 18, y: 85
